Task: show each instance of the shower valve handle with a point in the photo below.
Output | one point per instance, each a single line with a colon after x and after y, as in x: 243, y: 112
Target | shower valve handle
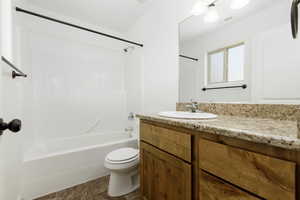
x: 14, y: 126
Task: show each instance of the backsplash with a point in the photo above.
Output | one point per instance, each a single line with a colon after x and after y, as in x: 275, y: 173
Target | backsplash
x: 270, y: 111
x: 298, y: 121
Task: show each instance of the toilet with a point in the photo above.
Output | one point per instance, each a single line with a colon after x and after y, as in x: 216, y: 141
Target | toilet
x: 123, y: 166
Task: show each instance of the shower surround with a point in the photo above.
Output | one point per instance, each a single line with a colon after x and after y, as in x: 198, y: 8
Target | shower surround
x: 76, y: 103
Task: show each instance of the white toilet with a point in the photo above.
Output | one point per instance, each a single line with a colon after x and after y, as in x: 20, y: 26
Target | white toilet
x: 123, y: 166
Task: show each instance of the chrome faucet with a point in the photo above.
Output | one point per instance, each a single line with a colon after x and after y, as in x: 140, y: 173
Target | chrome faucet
x: 131, y: 116
x: 193, y: 107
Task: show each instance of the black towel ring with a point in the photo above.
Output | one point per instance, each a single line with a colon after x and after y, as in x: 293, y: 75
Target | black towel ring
x: 294, y: 18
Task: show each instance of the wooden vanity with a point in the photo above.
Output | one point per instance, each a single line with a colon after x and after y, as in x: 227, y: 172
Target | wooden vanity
x: 181, y: 164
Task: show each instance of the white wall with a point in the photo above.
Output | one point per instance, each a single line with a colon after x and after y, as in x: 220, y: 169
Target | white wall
x: 158, y: 30
x: 134, y: 86
x: 10, y: 99
x: 133, y: 80
x: 189, y: 76
x: 276, y: 77
x: 271, y: 57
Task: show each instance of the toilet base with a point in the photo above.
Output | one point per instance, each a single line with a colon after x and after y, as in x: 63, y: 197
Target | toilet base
x: 123, y: 183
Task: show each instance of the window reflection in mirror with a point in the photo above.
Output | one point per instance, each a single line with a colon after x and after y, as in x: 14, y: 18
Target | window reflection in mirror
x: 250, y: 45
x: 226, y: 65
x: 236, y: 61
x: 216, y: 67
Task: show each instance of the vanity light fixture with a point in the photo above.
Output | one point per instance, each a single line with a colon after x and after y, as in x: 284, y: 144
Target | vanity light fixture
x: 208, y: 7
x: 199, y: 8
x: 238, y: 4
x: 212, y: 14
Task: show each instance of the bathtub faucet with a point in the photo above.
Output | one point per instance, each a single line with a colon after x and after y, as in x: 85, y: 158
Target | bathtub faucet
x: 129, y: 129
x: 131, y: 116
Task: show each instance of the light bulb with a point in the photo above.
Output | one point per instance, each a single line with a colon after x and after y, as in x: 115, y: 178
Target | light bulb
x: 212, y: 15
x: 199, y: 8
x: 238, y: 4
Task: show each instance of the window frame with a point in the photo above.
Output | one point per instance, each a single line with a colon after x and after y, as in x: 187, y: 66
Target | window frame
x: 225, y: 66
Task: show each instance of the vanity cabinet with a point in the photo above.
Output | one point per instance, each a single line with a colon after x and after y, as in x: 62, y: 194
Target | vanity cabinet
x: 165, y: 163
x: 213, y: 188
x: 183, y: 164
x: 174, y: 142
x: 163, y: 176
x: 259, y: 174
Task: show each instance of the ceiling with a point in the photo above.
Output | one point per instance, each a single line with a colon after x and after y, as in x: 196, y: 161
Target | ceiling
x: 117, y: 15
x: 195, y: 26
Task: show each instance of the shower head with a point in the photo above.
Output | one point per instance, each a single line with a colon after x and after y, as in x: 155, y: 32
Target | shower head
x: 129, y: 49
x: 142, y: 1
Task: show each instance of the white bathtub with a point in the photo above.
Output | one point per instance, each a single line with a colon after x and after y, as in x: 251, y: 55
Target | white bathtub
x: 63, y: 163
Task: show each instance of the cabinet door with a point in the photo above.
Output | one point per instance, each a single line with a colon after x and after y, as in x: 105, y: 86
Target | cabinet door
x: 213, y: 188
x: 259, y: 174
x: 171, y: 141
x: 163, y: 176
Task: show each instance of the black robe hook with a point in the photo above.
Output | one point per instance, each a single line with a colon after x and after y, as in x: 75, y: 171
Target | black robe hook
x: 294, y: 18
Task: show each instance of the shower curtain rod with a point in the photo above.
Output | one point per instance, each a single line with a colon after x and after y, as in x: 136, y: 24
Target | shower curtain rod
x: 14, y: 74
x: 76, y: 26
x: 187, y: 57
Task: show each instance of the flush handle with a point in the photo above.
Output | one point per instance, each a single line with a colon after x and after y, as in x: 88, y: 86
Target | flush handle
x: 14, y: 126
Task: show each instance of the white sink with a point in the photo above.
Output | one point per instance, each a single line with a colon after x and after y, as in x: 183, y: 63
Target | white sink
x: 187, y: 115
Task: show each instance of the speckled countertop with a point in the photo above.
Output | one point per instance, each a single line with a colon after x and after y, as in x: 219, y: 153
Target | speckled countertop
x: 278, y: 133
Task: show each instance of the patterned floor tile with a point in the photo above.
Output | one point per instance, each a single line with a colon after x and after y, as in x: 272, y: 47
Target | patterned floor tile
x: 92, y: 190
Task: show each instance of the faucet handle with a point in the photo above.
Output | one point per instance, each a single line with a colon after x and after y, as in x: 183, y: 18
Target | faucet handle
x: 193, y: 107
x: 194, y: 102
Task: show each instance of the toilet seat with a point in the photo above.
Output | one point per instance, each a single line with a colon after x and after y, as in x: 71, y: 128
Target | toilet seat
x: 123, y: 155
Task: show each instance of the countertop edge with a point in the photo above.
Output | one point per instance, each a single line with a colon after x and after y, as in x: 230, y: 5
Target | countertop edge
x: 271, y: 140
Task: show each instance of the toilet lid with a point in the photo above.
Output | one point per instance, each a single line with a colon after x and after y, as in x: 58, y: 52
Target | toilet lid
x: 123, y: 154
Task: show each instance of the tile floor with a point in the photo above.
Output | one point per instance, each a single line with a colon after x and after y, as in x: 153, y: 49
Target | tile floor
x: 92, y: 190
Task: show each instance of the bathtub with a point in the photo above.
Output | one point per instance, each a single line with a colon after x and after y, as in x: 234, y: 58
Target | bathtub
x: 62, y: 163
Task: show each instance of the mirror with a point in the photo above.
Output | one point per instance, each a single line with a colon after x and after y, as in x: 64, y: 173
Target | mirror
x: 239, y: 51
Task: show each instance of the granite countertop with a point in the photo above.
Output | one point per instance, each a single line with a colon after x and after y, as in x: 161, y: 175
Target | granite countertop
x: 278, y: 133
